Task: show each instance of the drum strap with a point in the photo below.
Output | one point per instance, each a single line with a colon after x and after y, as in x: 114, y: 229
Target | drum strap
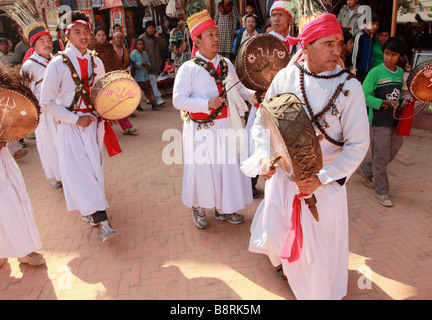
x: 80, y: 91
x: 41, y: 64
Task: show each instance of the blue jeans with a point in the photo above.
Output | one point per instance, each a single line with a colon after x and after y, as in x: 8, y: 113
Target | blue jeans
x: 153, y: 82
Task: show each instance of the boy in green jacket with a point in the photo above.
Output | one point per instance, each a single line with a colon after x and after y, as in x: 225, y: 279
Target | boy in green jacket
x: 382, y: 88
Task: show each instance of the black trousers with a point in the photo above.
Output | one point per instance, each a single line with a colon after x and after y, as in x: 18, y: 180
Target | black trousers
x: 99, y: 216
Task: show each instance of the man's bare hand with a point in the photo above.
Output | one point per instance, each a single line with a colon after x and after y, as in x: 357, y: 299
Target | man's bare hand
x: 2, y: 144
x: 268, y: 169
x: 390, y: 103
x: 215, y: 102
x: 309, y: 185
x: 85, y: 121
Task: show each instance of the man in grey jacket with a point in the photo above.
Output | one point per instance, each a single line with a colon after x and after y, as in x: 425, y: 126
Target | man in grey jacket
x: 349, y: 15
x: 153, y: 46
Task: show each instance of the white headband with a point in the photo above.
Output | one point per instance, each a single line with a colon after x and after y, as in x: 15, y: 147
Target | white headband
x: 76, y: 22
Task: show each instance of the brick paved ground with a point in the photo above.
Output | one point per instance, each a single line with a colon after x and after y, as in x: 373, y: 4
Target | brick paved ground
x: 160, y: 254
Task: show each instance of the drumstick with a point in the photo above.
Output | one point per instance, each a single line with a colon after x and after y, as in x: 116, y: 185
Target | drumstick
x: 102, y: 114
x: 247, y: 75
x: 273, y: 162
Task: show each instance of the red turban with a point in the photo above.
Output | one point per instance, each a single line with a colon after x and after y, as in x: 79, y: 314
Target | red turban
x: 321, y: 27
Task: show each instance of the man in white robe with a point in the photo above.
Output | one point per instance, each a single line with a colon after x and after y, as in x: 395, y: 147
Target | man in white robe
x: 80, y: 135
x: 212, y: 177
x: 19, y: 237
x: 46, y: 131
x: 320, y: 271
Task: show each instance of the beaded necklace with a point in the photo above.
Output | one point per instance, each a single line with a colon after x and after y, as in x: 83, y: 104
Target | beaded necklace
x: 219, y: 80
x: 318, y: 119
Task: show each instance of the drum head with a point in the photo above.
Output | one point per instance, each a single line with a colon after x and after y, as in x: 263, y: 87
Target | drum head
x: 420, y: 82
x: 259, y: 59
x: 18, y: 115
x: 116, y: 95
x: 277, y: 142
x: 292, y: 136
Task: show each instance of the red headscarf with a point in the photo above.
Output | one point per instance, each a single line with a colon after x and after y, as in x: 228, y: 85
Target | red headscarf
x: 318, y: 28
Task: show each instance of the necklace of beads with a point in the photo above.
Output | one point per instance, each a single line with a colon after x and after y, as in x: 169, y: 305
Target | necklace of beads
x: 318, y: 119
x: 219, y: 80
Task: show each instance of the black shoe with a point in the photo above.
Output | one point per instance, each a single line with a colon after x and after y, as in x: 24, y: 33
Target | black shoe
x: 155, y: 107
x: 139, y: 108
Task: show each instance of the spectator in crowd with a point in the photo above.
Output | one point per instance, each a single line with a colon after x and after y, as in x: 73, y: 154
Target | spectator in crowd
x: 382, y: 36
x: 6, y: 57
x: 133, y: 42
x: 154, y: 44
x: 120, y: 49
x: 226, y: 20
x: 408, y: 35
x: 21, y: 48
x: 349, y: 15
x: 10, y: 45
x: 423, y: 38
x: 177, y: 44
x: 119, y: 28
x: 169, y: 67
x: 382, y: 88
x: 60, y: 43
x: 245, y: 33
x: 364, y: 47
x: 347, y: 49
x: 250, y: 10
x: 142, y: 64
x: 267, y: 28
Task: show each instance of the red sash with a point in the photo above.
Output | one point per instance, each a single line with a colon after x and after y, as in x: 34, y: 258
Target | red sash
x: 110, y: 139
x: 204, y: 116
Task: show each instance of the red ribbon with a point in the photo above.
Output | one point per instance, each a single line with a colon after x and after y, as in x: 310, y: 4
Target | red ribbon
x: 110, y: 139
x: 293, y: 245
x: 111, y: 142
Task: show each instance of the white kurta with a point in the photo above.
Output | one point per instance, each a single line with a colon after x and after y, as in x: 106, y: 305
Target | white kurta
x: 80, y: 151
x: 18, y: 232
x: 322, y: 271
x: 46, y: 130
x: 212, y: 177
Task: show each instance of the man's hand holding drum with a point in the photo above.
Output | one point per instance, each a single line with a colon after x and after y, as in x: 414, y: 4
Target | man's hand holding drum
x: 85, y: 121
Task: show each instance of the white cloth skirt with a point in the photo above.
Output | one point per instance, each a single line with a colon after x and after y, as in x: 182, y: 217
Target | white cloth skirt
x: 81, y: 166
x: 18, y: 232
x: 212, y: 177
x: 46, y: 143
x: 322, y: 271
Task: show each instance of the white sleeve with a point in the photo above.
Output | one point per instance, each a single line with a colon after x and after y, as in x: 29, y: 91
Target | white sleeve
x: 355, y: 130
x: 50, y: 90
x: 183, y: 94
